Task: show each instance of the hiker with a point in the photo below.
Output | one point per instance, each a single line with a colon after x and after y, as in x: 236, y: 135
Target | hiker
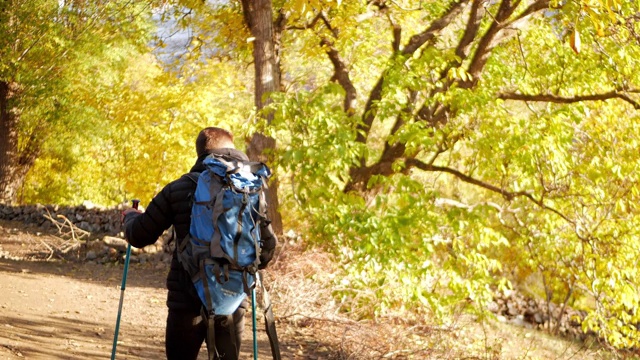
x: 186, y: 326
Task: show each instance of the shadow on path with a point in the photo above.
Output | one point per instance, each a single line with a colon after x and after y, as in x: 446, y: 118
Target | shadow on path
x: 59, y: 337
x: 139, y: 275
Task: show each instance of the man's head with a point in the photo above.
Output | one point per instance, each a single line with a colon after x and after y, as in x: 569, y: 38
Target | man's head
x: 212, y: 138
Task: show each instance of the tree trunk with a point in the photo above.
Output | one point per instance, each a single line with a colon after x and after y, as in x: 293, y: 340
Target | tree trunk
x: 259, y: 18
x: 9, y: 174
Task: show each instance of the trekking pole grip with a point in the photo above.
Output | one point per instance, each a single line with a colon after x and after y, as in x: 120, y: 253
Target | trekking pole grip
x: 134, y: 204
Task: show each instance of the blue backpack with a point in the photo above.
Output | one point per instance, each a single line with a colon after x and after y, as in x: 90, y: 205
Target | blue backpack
x: 222, y: 250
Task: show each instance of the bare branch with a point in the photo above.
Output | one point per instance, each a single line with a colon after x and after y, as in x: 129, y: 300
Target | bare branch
x: 509, y: 195
x: 466, y: 178
x: 571, y: 99
x: 524, y: 58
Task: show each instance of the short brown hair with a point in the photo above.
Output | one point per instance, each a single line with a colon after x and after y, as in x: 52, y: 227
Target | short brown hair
x: 213, y: 138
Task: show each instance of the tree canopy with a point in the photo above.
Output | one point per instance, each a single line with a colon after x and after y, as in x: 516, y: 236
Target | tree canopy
x: 444, y: 150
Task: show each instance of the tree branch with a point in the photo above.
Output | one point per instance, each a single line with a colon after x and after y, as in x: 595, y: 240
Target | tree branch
x: 486, y: 44
x: 571, y: 99
x: 341, y: 71
x: 310, y: 25
x: 508, y: 195
x: 415, y: 42
x: 471, y: 30
x: 533, y: 8
x: 341, y: 75
x: 397, y: 34
x: 437, y: 113
x: 420, y: 39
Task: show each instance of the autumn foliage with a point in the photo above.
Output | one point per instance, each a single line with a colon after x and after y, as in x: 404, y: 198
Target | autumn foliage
x: 442, y: 150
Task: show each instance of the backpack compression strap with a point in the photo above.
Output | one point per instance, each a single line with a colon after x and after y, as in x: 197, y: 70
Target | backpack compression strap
x: 209, y: 316
x: 269, y: 320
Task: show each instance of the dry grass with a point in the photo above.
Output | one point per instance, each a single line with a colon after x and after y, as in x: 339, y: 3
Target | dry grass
x: 300, y: 281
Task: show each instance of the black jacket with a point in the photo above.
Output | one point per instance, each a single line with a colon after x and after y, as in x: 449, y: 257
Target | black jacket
x: 172, y: 206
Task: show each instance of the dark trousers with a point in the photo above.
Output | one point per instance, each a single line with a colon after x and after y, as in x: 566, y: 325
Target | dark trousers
x: 187, y: 330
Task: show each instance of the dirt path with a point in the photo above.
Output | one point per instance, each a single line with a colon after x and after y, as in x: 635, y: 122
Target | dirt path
x: 67, y: 309
x: 54, y: 310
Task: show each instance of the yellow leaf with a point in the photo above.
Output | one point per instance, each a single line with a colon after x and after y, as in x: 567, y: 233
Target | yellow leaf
x: 574, y: 41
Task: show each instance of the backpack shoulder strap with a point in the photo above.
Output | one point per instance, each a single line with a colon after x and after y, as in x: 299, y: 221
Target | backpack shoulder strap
x: 193, y: 176
x: 181, y: 244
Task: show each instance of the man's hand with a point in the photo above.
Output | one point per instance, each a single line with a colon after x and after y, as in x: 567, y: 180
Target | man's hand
x: 127, y: 212
x: 130, y: 210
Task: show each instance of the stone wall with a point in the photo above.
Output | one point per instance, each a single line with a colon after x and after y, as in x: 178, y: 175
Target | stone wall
x: 99, y: 239
x: 94, y: 219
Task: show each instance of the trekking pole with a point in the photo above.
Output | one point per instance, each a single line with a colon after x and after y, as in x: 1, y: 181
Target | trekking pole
x: 253, y: 320
x: 122, y: 287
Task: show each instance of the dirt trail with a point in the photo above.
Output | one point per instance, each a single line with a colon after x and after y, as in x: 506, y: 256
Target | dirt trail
x: 53, y: 310
x: 67, y: 309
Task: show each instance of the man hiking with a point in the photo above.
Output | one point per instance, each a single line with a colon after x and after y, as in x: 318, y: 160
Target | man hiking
x: 187, y: 323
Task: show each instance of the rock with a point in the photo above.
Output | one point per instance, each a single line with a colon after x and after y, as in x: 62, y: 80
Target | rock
x: 519, y: 321
x: 45, y: 226
x: 115, y: 242
x: 493, y: 307
x: 88, y: 205
x: 156, y: 257
x: 84, y: 226
x: 537, y: 317
x: 91, y: 255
